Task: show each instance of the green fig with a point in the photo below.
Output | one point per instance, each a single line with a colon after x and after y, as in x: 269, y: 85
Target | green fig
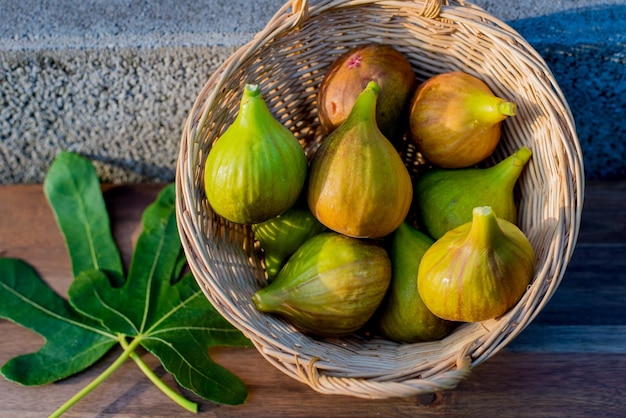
x: 257, y: 169
x: 330, y: 287
x: 455, y: 119
x: 478, y: 270
x: 282, y: 235
x: 358, y: 184
x: 403, y: 316
x: 446, y: 197
x: 349, y: 75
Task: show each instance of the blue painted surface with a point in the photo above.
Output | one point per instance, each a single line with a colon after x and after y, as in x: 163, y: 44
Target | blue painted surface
x: 586, y: 51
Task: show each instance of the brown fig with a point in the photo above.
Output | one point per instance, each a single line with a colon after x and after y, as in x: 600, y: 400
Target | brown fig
x: 349, y: 75
x: 455, y: 119
x: 358, y: 184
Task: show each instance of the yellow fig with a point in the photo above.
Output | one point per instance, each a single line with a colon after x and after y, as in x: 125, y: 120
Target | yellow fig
x: 478, y: 270
x: 330, y: 286
x: 455, y: 119
x: 257, y: 169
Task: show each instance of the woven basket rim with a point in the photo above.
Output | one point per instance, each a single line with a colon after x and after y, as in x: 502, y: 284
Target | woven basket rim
x: 468, y: 346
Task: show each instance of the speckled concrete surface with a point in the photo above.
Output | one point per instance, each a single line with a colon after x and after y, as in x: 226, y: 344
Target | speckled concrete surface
x: 114, y: 80
x: 123, y: 108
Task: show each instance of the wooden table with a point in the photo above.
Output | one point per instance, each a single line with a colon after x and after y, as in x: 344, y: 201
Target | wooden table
x: 570, y: 362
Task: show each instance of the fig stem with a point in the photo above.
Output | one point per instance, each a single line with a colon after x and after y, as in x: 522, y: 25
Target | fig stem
x: 373, y: 86
x: 521, y: 156
x: 485, y: 230
x: 253, y: 110
x: 252, y: 90
x: 364, y: 108
x: 265, y: 301
x: 508, y: 108
x: 511, y: 167
x: 489, y: 109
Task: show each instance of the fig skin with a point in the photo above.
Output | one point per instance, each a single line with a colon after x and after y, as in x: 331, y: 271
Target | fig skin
x: 282, y: 235
x: 446, y: 197
x: 257, y: 169
x: 403, y: 316
x: 455, y: 119
x: 330, y: 287
x: 349, y: 75
x: 477, y: 271
x: 358, y: 184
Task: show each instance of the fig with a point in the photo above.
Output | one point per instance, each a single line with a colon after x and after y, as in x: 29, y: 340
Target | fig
x: 403, y: 316
x: 358, y: 184
x: 446, y: 197
x: 330, y: 287
x: 282, y: 235
x: 257, y: 168
x: 349, y: 75
x: 478, y: 270
x: 455, y: 119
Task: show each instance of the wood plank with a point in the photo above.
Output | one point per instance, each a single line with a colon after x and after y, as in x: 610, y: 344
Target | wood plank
x: 538, y: 374
x: 29, y: 231
x: 544, y: 385
x: 604, y: 212
x: 593, y: 290
x: 522, y: 384
x: 565, y: 338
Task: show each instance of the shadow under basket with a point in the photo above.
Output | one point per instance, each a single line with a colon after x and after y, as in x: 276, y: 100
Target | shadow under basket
x: 288, y: 60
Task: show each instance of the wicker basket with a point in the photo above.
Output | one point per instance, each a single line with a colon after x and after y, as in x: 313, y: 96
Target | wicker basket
x: 288, y: 59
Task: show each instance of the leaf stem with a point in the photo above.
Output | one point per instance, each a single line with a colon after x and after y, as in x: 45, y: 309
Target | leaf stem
x: 176, y: 397
x: 128, y: 351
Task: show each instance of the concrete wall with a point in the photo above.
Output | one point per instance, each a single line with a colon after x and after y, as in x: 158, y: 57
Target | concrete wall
x: 114, y: 80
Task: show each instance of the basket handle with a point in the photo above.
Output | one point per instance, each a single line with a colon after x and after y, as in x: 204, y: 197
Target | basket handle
x: 431, y: 9
x: 300, y: 8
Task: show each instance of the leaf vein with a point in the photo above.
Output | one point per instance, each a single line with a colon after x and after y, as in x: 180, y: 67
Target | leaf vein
x: 53, y: 314
x: 150, y: 279
x: 191, y: 368
x: 194, y: 328
x: 115, y: 312
x: 86, y: 225
x: 174, y: 310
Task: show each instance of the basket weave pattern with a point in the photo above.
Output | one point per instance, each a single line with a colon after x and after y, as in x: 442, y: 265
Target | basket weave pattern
x: 288, y: 59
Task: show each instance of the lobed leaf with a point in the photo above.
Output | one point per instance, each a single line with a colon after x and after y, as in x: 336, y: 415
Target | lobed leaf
x: 72, y: 342
x: 187, y: 327
x: 158, y: 305
x: 75, y: 197
x: 129, y: 308
x: 171, y: 317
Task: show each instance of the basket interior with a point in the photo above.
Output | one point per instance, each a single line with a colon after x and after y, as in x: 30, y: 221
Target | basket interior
x: 289, y: 63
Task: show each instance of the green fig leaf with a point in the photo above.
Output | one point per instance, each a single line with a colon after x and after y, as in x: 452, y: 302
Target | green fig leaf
x: 73, y: 191
x: 72, y: 342
x: 159, y: 305
x: 171, y: 318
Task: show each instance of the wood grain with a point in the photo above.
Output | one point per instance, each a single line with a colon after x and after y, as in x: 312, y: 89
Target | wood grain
x: 569, y: 362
